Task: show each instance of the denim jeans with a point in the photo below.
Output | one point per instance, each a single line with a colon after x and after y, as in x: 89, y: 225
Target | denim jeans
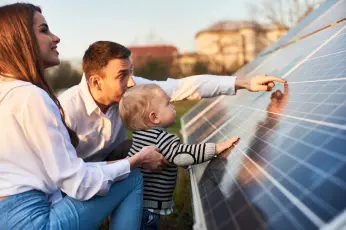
x: 30, y: 210
x: 150, y: 221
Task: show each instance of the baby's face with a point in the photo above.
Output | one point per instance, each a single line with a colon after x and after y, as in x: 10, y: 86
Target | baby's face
x: 165, y: 111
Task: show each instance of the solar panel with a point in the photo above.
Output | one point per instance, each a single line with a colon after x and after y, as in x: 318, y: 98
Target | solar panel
x: 279, y: 63
x: 196, y: 109
x: 289, y: 169
x: 332, y: 13
x: 325, y: 15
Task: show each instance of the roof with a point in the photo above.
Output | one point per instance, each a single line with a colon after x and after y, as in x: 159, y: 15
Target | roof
x: 222, y: 26
x: 191, y: 54
x: 153, y: 50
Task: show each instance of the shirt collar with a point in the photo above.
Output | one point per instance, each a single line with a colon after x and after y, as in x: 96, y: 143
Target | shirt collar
x: 159, y: 128
x: 89, y: 102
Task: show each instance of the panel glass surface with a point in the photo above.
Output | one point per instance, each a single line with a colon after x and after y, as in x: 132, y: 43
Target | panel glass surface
x: 289, y: 169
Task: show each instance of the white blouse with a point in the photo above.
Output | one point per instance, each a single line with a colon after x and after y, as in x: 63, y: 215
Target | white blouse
x: 36, y: 152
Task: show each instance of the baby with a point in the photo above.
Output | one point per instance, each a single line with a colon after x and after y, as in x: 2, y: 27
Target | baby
x: 146, y: 110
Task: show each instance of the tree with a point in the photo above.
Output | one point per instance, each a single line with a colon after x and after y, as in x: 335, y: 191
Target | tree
x: 200, y: 68
x: 282, y: 13
x: 63, y: 76
x: 154, y: 70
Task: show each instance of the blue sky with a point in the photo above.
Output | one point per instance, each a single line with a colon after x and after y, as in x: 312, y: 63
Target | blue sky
x: 133, y: 22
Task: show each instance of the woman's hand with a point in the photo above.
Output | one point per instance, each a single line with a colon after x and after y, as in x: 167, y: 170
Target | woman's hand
x: 148, y: 158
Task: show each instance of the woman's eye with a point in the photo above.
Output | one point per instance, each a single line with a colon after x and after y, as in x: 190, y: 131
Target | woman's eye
x: 45, y: 31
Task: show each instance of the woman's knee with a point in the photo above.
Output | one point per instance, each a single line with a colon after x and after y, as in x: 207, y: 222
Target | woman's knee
x: 133, y: 182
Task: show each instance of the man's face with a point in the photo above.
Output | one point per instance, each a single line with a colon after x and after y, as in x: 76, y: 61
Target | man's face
x: 117, y: 79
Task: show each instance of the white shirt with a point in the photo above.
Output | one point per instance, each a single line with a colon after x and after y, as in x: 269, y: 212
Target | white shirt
x: 36, y: 152
x: 100, y: 133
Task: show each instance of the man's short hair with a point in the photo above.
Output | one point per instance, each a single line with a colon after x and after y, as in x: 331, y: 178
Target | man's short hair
x: 136, y: 104
x: 97, y: 56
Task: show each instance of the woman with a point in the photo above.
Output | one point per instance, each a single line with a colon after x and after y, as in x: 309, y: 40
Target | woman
x: 37, y: 158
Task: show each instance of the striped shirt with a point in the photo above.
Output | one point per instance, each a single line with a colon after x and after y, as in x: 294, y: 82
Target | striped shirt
x: 159, y: 186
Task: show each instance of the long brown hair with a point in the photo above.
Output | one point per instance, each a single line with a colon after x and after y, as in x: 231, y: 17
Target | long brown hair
x: 19, y: 51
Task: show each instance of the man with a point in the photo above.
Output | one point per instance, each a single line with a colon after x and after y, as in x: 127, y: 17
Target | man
x: 91, y: 107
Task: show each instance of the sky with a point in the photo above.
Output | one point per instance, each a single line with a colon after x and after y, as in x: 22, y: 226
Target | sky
x: 133, y: 22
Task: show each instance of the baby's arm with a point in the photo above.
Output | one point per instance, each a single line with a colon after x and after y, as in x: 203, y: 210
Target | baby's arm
x: 184, y: 154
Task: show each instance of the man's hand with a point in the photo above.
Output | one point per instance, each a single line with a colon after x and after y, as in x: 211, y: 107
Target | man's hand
x: 258, y: 83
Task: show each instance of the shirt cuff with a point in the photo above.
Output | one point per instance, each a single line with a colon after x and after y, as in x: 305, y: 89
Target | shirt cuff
x: 227, y: 85
x: 117, y: 171
x: 93, y: 164
x: 210, y: 150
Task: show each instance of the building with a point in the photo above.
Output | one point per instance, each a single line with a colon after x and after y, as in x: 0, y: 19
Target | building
x: 186, y: 62
x: 142, y: 54
x: 227, y: 45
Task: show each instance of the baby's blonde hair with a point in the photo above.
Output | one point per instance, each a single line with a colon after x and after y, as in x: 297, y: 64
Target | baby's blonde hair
x: 136, y: 104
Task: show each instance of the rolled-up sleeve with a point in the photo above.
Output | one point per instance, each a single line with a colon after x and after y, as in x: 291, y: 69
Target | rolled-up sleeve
x: 194, y: 87
x: 49, y: 139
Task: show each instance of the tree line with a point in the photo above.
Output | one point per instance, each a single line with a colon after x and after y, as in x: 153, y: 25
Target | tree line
x: 65, y: 76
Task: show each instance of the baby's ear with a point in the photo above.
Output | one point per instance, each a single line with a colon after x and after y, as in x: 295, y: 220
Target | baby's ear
x: 153, y: 118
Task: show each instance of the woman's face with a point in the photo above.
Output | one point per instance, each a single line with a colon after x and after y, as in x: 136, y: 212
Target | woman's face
x: 47, y: 41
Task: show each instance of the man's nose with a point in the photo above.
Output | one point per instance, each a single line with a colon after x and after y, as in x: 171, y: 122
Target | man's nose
x: 130, y: 82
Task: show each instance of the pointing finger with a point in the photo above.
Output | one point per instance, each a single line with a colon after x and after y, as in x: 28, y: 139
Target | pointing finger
x: 268, y: 79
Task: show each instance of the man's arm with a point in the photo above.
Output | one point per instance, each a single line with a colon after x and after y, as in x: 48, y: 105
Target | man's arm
x: 258, y: 83
x: 194, y: 87
x: 204, y: 86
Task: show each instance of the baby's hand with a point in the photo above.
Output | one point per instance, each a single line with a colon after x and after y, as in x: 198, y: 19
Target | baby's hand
x: 221, y: 147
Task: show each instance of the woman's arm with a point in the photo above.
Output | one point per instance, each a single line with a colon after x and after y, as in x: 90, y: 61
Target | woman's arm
x: 49, y: 139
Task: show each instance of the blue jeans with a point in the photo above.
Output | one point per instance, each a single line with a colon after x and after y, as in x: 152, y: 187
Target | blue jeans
x: 30, y: 210
x: 150, y: 221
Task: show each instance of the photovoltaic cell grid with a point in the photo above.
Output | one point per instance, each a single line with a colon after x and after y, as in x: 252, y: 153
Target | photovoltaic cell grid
x: 199, y: 126
x: 197, y: 109
x: 289, y: 169
x: 293, y: 54
x: 337, y: 8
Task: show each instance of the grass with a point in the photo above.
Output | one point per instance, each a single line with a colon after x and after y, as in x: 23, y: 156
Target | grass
x: 181, y: 218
